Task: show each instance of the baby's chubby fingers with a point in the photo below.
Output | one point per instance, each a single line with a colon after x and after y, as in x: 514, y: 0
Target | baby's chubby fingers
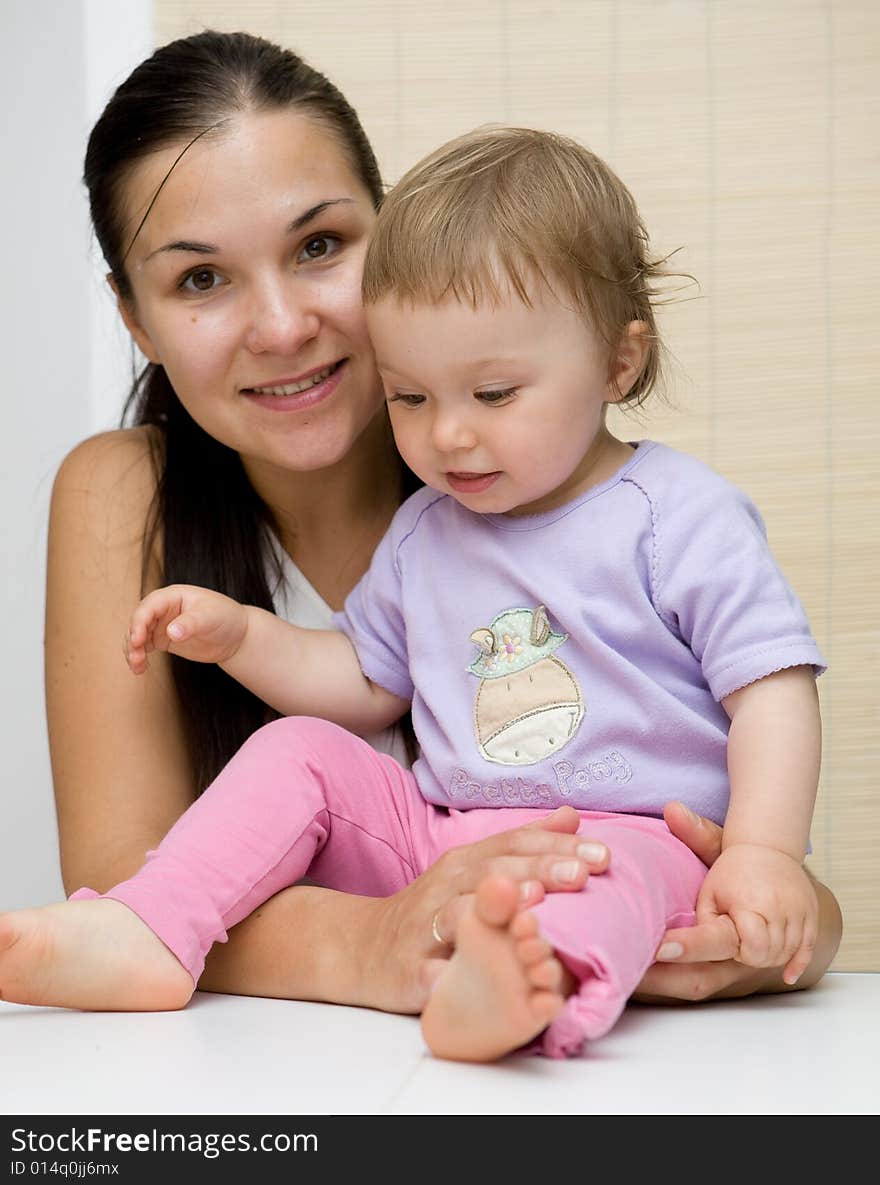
x: 760, y: 942
x: 803, y: 955
x: 182, y: 627
x: 149, y: 626
x: 153, y: 615
x: 135, y: 655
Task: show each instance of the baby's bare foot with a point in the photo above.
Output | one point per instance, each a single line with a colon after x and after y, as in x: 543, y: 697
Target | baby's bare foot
x: 502, y: 986
x: 95, y: 955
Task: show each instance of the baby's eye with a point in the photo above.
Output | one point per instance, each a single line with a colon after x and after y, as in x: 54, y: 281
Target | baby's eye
x: 202, y: 279
x: 407, y: 398
x: 319, y: 247
x: 499, y: 396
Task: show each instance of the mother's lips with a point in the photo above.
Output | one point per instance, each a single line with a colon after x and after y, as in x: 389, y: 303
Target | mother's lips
x: 295, y: 386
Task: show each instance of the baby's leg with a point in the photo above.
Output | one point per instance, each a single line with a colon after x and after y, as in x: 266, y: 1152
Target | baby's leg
x: 566, y: 968
x: 502, y: 985
x: 297, y: 788
x: 606, y: 936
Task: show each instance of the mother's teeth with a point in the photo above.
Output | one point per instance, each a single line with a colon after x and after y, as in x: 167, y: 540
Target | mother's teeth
x: 295, y: 388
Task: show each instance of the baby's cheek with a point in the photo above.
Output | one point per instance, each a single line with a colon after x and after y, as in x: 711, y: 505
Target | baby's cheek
x: 412, y: 448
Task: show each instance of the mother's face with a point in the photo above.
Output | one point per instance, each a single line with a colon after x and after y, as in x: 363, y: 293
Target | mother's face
x: 246, y: 287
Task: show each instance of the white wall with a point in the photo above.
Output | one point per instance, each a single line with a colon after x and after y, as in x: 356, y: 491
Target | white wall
x: 66, y: 365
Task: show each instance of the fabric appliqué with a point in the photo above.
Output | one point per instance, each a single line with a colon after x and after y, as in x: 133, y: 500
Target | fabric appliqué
x: 528, y: 705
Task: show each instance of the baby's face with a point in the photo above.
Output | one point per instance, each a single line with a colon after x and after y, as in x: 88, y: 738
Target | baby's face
x: 501, y: 406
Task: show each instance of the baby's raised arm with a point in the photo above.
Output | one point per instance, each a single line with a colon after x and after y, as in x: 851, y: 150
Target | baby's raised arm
x: 298, y: 672
x: 758, y: 881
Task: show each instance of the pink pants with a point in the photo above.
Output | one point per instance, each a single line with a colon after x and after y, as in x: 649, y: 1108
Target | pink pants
x: 303, y: 796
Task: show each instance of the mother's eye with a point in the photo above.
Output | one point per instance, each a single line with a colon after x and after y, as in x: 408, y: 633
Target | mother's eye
x: 319, y: 247
x: 203, y: 279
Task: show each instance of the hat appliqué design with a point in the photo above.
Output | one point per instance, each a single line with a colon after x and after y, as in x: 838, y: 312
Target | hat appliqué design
x: 528, y: 704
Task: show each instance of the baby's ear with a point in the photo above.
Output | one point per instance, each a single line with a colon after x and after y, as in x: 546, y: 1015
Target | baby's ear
x: 628, y: 360
x: 128, y: 313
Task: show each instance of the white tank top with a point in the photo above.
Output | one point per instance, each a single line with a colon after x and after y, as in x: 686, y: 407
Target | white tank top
x: 297, y: 601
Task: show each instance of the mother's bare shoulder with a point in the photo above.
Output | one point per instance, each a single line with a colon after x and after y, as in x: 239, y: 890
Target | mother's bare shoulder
x: 107, y: 483
x: 124, y: 461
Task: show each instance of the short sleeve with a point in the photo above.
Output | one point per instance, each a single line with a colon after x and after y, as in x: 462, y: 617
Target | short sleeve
x: 373, y: 619
x: 718, y: 586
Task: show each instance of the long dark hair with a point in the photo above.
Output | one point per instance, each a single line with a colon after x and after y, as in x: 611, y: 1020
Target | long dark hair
x: 214, y: 527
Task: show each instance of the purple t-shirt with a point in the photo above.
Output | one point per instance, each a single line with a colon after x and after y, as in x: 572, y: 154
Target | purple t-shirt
x: 579, y: 656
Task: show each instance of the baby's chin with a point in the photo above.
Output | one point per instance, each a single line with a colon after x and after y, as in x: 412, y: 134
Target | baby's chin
x: 481, y: 493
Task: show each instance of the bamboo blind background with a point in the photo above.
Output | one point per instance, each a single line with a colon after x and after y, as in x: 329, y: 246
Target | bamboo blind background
x: 745, y: 131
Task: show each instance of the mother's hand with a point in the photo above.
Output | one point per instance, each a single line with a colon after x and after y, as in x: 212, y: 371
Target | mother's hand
x: 404, y: 954
x: 698, y: 962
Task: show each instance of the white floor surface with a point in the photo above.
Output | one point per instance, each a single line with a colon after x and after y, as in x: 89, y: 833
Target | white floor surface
x: 811, y: 1052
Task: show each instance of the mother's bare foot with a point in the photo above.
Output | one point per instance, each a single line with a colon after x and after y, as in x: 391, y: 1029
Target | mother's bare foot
x: 95, y: 955
x: 502, y: 986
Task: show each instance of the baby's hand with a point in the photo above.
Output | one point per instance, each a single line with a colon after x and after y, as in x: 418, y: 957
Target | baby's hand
x: 196, y: 623
x: 768, y: 897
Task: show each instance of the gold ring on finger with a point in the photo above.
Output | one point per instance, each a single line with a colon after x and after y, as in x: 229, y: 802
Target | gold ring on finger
x: 435, y: 930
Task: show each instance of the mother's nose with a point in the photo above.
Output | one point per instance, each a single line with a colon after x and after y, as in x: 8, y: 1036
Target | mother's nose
x: 280, y: 321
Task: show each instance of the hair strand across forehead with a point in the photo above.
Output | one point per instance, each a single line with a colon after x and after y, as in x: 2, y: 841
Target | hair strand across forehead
x: 189, y: 89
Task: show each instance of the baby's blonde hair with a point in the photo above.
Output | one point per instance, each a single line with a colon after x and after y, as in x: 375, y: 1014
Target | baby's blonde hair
x: 499, y: 208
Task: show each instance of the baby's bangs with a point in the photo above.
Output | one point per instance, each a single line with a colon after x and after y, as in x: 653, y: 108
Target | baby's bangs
x: 466, y: 259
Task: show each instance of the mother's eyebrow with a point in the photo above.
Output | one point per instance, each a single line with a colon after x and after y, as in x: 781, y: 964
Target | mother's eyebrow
x: 315, y: 211
x: 184, y: 245
x: 298, y: 223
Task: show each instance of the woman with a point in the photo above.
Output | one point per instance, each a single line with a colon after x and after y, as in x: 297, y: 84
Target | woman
x: 233, y: 191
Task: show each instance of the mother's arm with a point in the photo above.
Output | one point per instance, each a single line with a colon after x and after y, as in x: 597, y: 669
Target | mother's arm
x: 119, y: 761
x: 122, y: 774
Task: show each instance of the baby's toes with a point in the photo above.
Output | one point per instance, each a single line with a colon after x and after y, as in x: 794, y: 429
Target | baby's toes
x: 546, y: 974
x: 545, y: 1006
x: 533, y: 950
x: 523, y: 925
